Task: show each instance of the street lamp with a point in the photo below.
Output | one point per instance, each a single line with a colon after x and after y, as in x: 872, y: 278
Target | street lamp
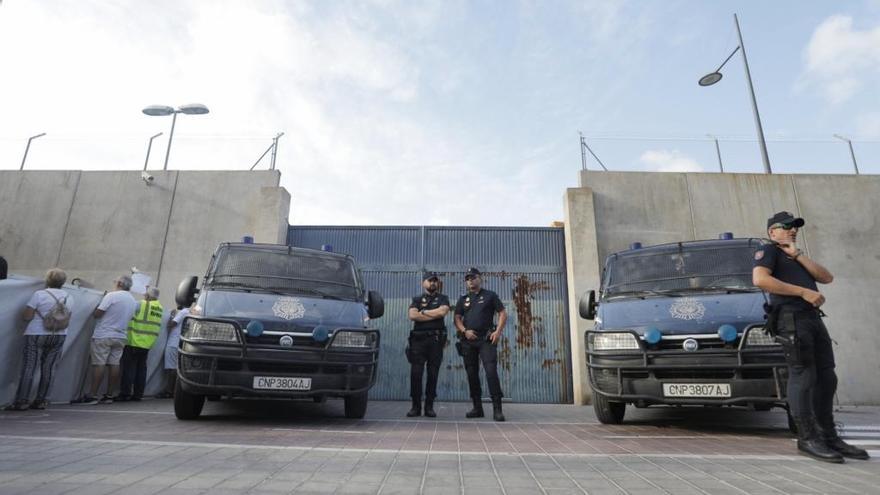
x: 714, y: 77
x: 717, y: 151
x: 163, y: 110
x: 149, y: 146
x: 851, y: 152
x: 28, y: 147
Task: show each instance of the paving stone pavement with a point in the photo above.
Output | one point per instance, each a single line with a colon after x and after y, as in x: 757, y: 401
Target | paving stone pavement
x: 263, y: 447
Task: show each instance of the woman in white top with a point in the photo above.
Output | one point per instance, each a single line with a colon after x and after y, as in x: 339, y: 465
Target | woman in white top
x: 49, y: 307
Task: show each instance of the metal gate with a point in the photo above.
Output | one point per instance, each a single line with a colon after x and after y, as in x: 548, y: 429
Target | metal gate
x: 525, y: 266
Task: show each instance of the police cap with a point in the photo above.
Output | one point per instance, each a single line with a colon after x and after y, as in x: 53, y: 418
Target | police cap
x: 785, y: 218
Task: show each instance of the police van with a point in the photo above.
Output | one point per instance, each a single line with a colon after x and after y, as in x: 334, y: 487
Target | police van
x: 273, y: 321
x: 681, y: 324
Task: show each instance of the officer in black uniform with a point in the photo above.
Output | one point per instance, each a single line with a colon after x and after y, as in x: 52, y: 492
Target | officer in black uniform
x: 790, y: 277
x: 478, y: 340
x: 426, y: 342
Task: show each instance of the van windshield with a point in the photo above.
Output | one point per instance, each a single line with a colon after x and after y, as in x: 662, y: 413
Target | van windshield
x: 676, y: 270
x: 277, y: 271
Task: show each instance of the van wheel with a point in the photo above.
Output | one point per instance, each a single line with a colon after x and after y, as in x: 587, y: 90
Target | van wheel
x: 608, y: 412
x: 356, y: 406
x: 187, y: 405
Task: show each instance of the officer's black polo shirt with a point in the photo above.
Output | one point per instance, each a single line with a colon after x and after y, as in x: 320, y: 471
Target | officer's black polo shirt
x: 428, y: 301
x: 787, y: 270
x: 478, y: 310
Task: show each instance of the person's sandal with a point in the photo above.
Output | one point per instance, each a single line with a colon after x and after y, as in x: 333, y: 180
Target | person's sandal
x: 17, y: 406
x: 39, y: 404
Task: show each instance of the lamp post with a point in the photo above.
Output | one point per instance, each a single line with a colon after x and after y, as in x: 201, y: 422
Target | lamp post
x: 717, y: 151
x: 28, y: 147
x: 851, y: 152
x: 163, y: 110
x: 714, y: 77
x: 149, y: 146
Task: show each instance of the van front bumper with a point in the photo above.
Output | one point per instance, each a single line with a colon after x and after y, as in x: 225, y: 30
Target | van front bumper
x: 230, y: 369
x: 755, y: 375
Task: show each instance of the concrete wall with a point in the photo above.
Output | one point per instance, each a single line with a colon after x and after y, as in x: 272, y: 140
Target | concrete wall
x: 842, y: 232
x: 97, y: 225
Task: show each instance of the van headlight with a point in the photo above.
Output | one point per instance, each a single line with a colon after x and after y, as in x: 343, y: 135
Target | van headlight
x: 209, y: 331
x: 613, y: 341
x: 758, y: 336
x: 358, y: 340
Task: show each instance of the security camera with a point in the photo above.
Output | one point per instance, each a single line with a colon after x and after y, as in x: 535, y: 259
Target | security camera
x: 147, y: 178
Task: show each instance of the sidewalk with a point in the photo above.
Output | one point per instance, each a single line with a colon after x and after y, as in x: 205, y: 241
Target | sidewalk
x: 284, y: 447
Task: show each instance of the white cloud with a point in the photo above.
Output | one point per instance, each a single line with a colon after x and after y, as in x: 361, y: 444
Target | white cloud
x: 669, y: 161
x: 842, y: 60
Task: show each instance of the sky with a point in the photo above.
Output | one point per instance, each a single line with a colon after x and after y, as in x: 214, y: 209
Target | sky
x: 438, y: 112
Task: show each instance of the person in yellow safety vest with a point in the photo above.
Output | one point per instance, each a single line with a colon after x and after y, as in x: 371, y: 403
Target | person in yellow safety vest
x: 143, y: 330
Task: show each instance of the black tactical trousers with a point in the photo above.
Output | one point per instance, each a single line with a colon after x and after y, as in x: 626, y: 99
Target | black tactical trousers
x: 811, y: 378
x: 476, y: 351
x: 425, y: 350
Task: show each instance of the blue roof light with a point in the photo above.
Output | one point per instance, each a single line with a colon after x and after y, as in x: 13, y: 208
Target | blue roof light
x: 726, y: 236
x: 636, y: 245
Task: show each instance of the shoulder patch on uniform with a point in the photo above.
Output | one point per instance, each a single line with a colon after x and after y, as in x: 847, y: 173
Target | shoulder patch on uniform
x: 759, y: 255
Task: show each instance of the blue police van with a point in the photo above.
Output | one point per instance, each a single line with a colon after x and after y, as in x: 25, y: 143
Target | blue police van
x: 681, y: 324
x: 273, y: 321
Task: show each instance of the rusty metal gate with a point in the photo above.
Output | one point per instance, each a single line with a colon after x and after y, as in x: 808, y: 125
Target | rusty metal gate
x: 525, y: 266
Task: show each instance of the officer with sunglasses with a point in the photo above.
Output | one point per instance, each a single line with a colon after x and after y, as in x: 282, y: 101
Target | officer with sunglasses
x: 478, y: 341
x: 426, y: 342
x: 790, y: 277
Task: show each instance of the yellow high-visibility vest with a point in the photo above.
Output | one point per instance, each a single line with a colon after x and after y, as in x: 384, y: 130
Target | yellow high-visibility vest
x: 143, y: 329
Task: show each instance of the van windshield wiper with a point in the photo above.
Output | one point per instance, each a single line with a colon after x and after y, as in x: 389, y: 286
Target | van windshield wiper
x: 643, y: 293
x: 304, y: 290
x: 730, y: 290
x: 246, y: 287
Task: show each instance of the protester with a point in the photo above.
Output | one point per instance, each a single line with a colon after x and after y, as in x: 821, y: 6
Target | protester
x: 113, y: 313
x: 143, y: 330
x: 48, y: 315
x: 171, y: 346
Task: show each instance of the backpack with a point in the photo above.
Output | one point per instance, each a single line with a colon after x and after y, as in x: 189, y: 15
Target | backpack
x: 58, y: 318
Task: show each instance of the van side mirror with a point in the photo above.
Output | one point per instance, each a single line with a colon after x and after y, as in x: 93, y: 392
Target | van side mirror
x: 587, y: 305
x: 186, y: 291
x: 375, y: 305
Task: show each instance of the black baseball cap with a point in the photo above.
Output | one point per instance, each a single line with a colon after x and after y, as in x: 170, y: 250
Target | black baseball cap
x: 785, y: 218
x: 430, y: 275
x: 472, y: 272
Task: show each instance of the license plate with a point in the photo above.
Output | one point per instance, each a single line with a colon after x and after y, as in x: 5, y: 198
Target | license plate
x: 282, y: 383
x: 696, y: 389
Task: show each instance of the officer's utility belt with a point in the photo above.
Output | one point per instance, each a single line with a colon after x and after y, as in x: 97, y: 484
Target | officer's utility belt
x: 777, y: 313
x: 423, y: 334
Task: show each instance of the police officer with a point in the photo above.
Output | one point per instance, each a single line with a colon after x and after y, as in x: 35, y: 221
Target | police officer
x: 478, y: 340
x: 790, y: 277
x: 426, y: 341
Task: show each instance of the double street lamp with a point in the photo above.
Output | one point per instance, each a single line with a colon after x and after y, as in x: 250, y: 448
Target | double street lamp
x: 163, y: 110
x: 714, y: 77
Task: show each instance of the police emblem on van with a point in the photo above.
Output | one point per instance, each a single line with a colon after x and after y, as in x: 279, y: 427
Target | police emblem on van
x: 687, y: 308
x: 288, y: 308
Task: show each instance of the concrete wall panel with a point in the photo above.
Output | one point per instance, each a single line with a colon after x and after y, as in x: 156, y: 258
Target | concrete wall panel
x: 637, y: 207
x: 116, y: 221
x: 34, y: 208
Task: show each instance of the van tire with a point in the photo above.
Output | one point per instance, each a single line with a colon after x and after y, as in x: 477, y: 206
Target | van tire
x: 608, y: 412
x: 186, y: 405
x: 356, y: 406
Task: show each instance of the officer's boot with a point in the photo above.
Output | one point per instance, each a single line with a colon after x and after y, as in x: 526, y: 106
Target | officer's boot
x: 809, y: 442
x: 834, y: 442
x: 477, y: 411
x: 429, y: 408
x: 497, y: 415
x: 416, y: 409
